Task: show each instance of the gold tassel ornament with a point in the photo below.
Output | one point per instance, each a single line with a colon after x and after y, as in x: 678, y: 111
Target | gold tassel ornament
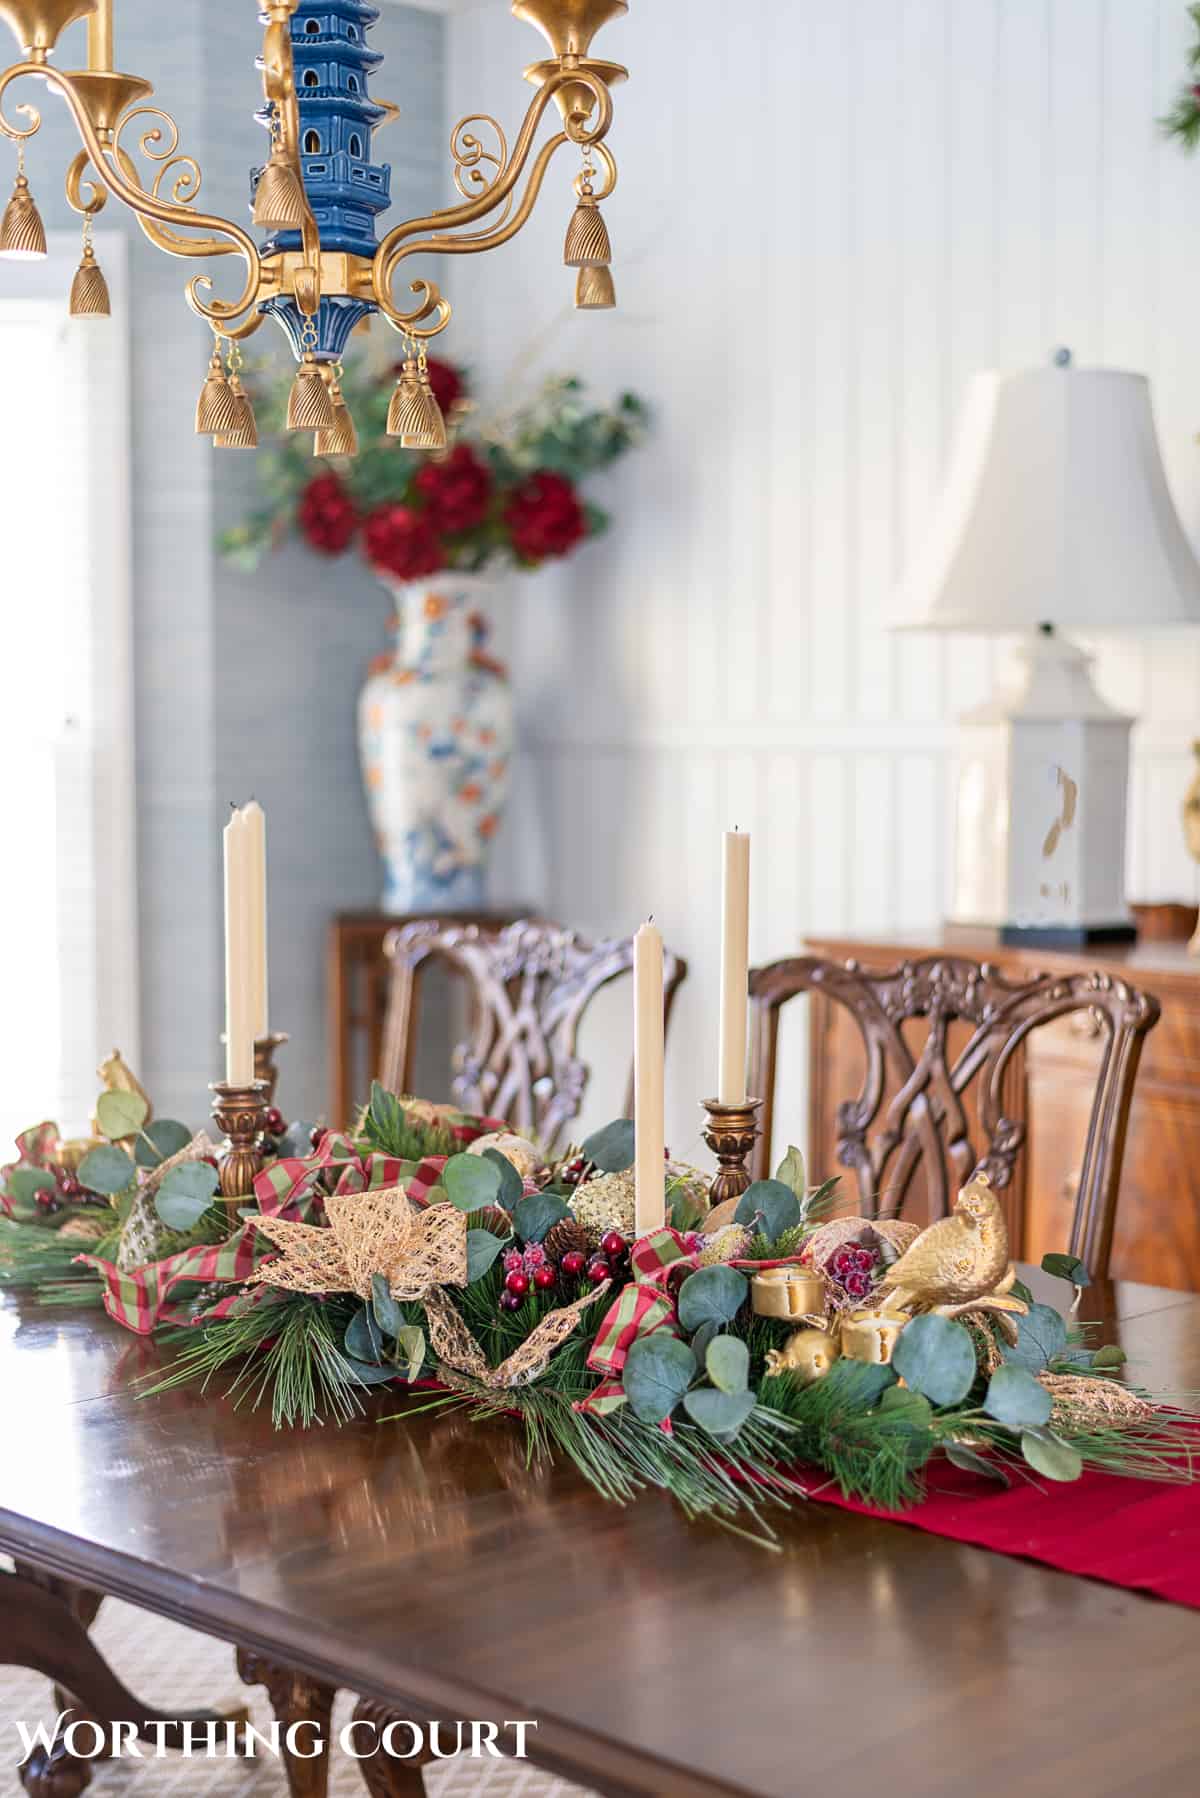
x: 403, y: 411
x: 587, y: 244
x: 89, y: 289
x: 342, y: 439
x: 594, y: 290
x: 244, y: 434
x: 22, y: 233
x: 414, y: 415
x: 279, y: 202
x: 216, y: 410
x: 309, y: 407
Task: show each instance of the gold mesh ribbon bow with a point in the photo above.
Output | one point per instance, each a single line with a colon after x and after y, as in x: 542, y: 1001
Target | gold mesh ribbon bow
x: 458, y: 1352
x: 369, y: 1233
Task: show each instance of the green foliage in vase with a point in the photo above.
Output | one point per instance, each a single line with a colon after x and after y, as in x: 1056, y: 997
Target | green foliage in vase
x: 506, y: 491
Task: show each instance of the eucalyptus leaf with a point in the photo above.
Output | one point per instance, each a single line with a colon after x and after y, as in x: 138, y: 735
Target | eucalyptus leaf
x: 410, y: 1351
x: 727, y: 1363
x: 160, y: 1140
x: 537, y: 1215
x: 1110, y: 1356
x: 712, y: 1295
x: 121, y: 1114
x: 106, y: 1170
x: 658, y: 1371
x: 296, y: 1141
x: 24, y: 1184
x: 363, y: 1339
x: 482, y: 1250
x: 512, y: 1187
x: 971, y: 1461
x: 1041, y: 1337
x: 722, y: 1414
x: 611, y: 1149
x: 1015, y: 1398
x: 791, y: 1172
x: 900, y: 1404
x: 367, y: 1375
x: 186, y: 1194
x: 1050, y: 1456
x: 1066, y: 1267
x: 702, y: 1337
x: 388, y: 1314
x: 936, y: 1356
x: 471, y: 1181
x: 769, y: 1206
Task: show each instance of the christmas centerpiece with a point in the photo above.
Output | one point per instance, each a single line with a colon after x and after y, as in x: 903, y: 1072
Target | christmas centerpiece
x: 729, y: 1342
x: 438, y: 528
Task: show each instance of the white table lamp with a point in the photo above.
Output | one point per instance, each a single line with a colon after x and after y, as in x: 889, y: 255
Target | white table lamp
x: 1056, y: 513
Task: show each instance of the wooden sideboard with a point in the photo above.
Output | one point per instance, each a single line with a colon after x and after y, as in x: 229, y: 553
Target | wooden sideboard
x: 1158, y: 1222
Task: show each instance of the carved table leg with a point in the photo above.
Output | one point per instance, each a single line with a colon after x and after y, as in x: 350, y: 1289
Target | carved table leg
x: 43, y: 1626
x: 295, y: 1698
x: 386, y: 1775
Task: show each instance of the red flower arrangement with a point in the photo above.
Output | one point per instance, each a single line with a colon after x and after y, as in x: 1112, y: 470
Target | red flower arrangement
x: 327, y: 516
x: 493, y: 497
x: 544, y: 517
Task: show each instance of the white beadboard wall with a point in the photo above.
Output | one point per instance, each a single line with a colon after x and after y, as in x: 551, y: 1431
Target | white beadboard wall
x: 831, y: 212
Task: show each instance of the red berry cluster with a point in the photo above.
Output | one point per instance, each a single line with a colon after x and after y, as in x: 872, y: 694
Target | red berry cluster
x: 532, y: 1268
x: 65, y: 1191
x: 525, y: 1269
x: 852, y: 1267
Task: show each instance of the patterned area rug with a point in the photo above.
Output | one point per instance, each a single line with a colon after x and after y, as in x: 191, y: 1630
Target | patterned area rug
x: 175, y: 1667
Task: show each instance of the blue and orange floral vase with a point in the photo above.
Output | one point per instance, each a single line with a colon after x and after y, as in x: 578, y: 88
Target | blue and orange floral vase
x: 435, y: 729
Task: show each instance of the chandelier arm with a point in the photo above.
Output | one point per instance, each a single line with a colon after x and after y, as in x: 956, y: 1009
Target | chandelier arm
x: 96, y: 197
x: 470, y: 244
x: 145, y: 205
x: 391, y: 250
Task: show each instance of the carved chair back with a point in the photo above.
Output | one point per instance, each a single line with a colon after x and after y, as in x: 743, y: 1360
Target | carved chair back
x: 530, y: 985
x: 910, y: 1112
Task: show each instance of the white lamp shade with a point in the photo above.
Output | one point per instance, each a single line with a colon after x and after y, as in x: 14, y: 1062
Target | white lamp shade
x: 1056, y: 510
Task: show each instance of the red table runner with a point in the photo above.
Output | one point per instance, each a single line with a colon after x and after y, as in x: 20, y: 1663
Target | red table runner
x: 1135, y: 1533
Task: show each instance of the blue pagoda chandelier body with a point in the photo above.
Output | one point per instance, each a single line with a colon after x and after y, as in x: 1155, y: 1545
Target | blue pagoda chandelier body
x: 318, y: 265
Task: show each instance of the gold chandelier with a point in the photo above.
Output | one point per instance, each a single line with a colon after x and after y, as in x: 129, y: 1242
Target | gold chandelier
x: 320, y: 270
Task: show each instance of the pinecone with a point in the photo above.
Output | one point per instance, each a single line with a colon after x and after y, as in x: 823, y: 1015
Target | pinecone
x: 566, y: 1235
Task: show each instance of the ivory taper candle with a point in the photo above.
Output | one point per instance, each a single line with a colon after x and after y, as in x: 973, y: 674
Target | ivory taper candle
x: 239, y: 1023
x: 735, y: 968
x: 650, y: 1163
x: 256, y: 850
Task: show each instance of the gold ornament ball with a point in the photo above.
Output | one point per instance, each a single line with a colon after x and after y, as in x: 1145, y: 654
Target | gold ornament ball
x: 809, y: 1355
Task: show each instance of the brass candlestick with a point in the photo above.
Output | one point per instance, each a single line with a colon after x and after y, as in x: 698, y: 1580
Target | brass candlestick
x: 241, y: 1114
x: 265, y: 1050
x: 731, y: 1135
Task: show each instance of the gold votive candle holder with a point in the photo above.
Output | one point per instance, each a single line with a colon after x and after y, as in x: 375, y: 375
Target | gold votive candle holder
x: 871, y: 1336
x: 788, y: 1292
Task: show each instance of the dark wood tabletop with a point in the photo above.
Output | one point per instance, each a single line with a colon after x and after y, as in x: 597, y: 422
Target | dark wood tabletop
x: 424, y: 1564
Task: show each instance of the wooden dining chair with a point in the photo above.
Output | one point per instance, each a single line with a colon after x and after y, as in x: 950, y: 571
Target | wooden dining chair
x: 911, y: 1113
x: 530, y: 985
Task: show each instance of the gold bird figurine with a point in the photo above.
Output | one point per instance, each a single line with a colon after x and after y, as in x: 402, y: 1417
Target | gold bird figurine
x: 961, y: 1263
x: 118, y: 1077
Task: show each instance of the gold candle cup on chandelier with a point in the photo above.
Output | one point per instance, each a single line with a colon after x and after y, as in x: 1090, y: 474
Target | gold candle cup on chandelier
x: 788, y: 1292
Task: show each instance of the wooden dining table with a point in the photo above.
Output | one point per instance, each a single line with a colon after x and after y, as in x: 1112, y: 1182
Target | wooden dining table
x: 425, y: 1565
